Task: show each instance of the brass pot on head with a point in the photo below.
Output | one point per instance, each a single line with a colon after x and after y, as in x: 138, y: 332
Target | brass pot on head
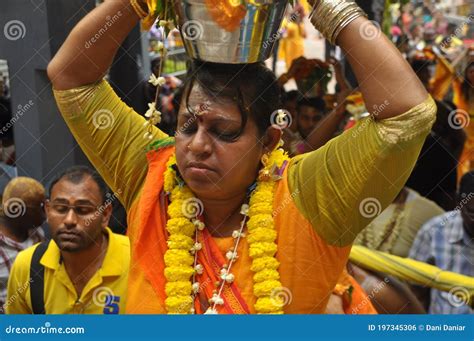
x: 230, y: 31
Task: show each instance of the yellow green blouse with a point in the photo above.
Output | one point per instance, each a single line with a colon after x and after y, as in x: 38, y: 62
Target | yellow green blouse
x: 339, y: 188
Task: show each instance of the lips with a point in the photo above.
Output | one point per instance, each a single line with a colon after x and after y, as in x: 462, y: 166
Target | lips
x: 199, y: 165
x: 67, y: 234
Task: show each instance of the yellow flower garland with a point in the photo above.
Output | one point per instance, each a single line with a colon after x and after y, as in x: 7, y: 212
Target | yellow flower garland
x: 261, y: 239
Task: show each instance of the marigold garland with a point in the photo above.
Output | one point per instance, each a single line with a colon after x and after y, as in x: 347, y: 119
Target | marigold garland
x: 261, y: 239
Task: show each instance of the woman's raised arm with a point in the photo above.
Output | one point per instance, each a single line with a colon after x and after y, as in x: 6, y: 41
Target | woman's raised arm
x: 110, y: 133
x: 352, y: 178
x: 382, y: 73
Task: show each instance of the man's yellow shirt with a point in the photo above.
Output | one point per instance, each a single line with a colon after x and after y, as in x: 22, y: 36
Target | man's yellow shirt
x: 105, y: 293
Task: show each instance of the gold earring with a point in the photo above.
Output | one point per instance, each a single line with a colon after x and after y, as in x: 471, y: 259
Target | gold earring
x: 264, y: 172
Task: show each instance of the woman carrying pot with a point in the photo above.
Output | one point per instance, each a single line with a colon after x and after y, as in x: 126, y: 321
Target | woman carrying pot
x: 221, y: 221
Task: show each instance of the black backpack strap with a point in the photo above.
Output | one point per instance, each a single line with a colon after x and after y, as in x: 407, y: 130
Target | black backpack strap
x: 37, y: 279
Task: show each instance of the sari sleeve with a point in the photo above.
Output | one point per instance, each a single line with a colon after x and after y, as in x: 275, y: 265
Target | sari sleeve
x: 346, y: 183
x: 111, y: 134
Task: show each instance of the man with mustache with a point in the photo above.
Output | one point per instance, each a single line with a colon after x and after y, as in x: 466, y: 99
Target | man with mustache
x: 84, y: 268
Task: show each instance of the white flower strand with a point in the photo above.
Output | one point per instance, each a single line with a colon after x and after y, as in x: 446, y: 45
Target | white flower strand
x: 195, y: 285
x: 225, y: 273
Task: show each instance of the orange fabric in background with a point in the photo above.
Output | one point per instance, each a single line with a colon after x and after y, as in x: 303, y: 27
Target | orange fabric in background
x: 309, y: 267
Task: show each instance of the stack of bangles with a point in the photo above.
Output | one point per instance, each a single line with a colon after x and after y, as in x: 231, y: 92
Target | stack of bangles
x: 138, y: 8
x: 331, y: 16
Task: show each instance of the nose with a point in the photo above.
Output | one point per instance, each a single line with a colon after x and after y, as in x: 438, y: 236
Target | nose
x: 70, y: 219
x: 201, y: 143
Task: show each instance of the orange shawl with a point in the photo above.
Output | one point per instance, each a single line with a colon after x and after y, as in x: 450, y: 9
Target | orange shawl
x: 309, y: 267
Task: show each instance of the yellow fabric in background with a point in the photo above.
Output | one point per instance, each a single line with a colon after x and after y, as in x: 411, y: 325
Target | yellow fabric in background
x: 292, y: 45
x: 412, y: 271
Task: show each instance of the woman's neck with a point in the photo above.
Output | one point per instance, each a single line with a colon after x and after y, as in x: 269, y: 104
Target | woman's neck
x: 223, y: 216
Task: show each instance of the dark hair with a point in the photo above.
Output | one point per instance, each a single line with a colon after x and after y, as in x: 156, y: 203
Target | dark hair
x: 292, y: 95
x: 466, y: 185
x: 465, y: 86
x: 253, y: 87
x: 419, y: 64
x: 313, y: 102
x: 76, y: 175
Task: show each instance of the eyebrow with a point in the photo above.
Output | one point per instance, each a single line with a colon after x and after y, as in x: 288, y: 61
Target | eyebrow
x: 77, y: 202
x: 219, y: 118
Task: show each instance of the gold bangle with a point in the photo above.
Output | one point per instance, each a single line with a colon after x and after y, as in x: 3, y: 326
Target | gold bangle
x: 330, y: 17
x: 349, y: 15
x: 346, y: 22
x: 142, y: 14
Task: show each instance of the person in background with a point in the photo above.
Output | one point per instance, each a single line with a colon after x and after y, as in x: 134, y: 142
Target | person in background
x: 464, y: 100
x: 435, y: 172
x: 21, y: 217
x: 290, y: 132
x: 292, y: 44
x: 395, y: 228
x: 349, y: 298
x: 85, y: 264
x: 447, y: 241
x: 310, y: 112
x: 388, y: 294
x: 329, y: 126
